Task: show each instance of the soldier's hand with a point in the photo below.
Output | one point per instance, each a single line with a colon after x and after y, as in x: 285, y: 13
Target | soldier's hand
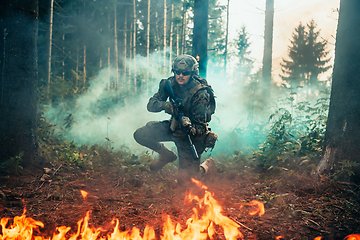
x: 186, y: 122
x: 169, y: 108
x: 192, y: 130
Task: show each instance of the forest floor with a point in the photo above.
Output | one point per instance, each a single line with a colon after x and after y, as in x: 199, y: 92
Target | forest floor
x: 296, y: 206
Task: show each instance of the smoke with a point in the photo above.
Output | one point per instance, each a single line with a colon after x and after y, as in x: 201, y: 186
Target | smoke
x: 104, y: 117
x: 110, y: 118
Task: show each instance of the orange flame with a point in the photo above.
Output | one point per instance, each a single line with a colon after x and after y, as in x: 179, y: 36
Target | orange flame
x: 353, y: 237
x: 203, y: 227
x: 197, y: 58
x: 197, y: 227
x: 84, y: 194
x: 260, y: 209
x: 22, y: 227
x: 318, y: 238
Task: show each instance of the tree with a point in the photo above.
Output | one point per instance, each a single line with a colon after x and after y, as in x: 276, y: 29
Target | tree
x: 342, y: 140
x: 19, y: 80
x: 216, y: 40
x: 245, y: 63
x: 252, y: 98
x: 308, y: 57
x: 268, y: 39
x: 200, y: 34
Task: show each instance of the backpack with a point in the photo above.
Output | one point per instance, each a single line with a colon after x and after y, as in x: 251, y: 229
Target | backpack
x: 203, y: 84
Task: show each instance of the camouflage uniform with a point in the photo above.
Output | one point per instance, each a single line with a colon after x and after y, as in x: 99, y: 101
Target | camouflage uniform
x: 198, y: 109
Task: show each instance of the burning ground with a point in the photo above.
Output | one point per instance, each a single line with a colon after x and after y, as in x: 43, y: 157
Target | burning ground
x: 296, y: 206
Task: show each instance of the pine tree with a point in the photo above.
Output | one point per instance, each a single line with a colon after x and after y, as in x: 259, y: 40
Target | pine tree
x: 242, y: 45
x: 318, y: 58
x: 216, y: 38
x: 252, y: 98
x: 308, y: 57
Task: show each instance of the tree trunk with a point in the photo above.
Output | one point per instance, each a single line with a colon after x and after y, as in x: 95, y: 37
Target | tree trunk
x: 134, y: 47
x: 268, y: 38
x: 19, y: 80
x: 148, y: 45
x: 84, y: 68
x: 50, y: 45
x: 226, y: 37
x: 148, y: 33
x: 109, y: 69
x: 183, y: 28
x: 157, y: 37
x: 125, y: 46
x: 63, y: 61
x: 130, y: 58
x: 342, y: 139
x: 165, y: 13
x: 171, y: 36
x: 201, y: 19
x: 109, y: 55
x: 177, y: 42
x: 77, y: 67
x: 116, y: 50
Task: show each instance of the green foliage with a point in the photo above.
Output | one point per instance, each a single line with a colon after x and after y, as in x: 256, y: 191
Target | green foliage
x: 216, y: 39
x: 278, y: 140
x: 69, y: 154
x: 345, y: 170
x: 12, y: 165
x: 294, y: 139
x: 242, y: 45
x: 98, y: 158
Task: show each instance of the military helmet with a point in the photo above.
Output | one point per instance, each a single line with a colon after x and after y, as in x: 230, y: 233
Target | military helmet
x: 185, y: 63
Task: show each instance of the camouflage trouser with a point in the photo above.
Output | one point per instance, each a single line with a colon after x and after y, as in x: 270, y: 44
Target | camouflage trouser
x: 155, y: 132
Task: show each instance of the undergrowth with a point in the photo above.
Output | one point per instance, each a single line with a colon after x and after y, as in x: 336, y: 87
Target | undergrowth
x: 293, y: 145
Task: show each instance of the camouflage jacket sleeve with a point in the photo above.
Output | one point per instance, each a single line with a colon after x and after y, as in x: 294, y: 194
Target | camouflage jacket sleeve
x: 200, y: 107
x: 156, y: 102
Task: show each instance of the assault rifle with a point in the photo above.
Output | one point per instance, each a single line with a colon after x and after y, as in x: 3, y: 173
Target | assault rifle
x: 179, y: 115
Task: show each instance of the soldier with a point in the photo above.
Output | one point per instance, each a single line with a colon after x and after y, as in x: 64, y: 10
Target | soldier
x: 198, y: 106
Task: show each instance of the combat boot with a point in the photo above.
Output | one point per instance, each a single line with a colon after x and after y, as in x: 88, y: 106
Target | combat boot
x: 166, y: 156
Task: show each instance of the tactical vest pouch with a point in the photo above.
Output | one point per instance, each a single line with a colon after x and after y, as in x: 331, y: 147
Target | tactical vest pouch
x: 210, y: 140
x: 194, y: 90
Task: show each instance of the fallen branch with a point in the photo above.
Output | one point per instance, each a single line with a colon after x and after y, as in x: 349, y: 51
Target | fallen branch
x: 56, y: 170
x: 241, y: 224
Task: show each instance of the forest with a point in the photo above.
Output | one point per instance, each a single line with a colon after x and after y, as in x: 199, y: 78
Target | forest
x: 76, y: 77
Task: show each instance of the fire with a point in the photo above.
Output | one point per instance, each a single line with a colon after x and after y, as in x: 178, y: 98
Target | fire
x: 353, y: 237
x: 22, y: 227
x: 84, y: 194
x: 197, y: 58
x: 260, y: 209
x: 198, y: 226
x: 202, y: 227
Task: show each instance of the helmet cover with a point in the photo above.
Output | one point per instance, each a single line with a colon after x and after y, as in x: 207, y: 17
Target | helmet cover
x: 186, y: 63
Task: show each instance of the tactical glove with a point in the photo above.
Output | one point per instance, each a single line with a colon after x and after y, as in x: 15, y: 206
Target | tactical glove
x: 169, y: 108
x: 186, y: 123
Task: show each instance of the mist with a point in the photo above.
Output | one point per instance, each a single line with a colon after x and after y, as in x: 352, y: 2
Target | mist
x: 109, y: 118
x: 97, y: 117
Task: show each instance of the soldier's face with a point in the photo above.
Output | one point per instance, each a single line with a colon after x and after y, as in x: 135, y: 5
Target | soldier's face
x: 182, y: 79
